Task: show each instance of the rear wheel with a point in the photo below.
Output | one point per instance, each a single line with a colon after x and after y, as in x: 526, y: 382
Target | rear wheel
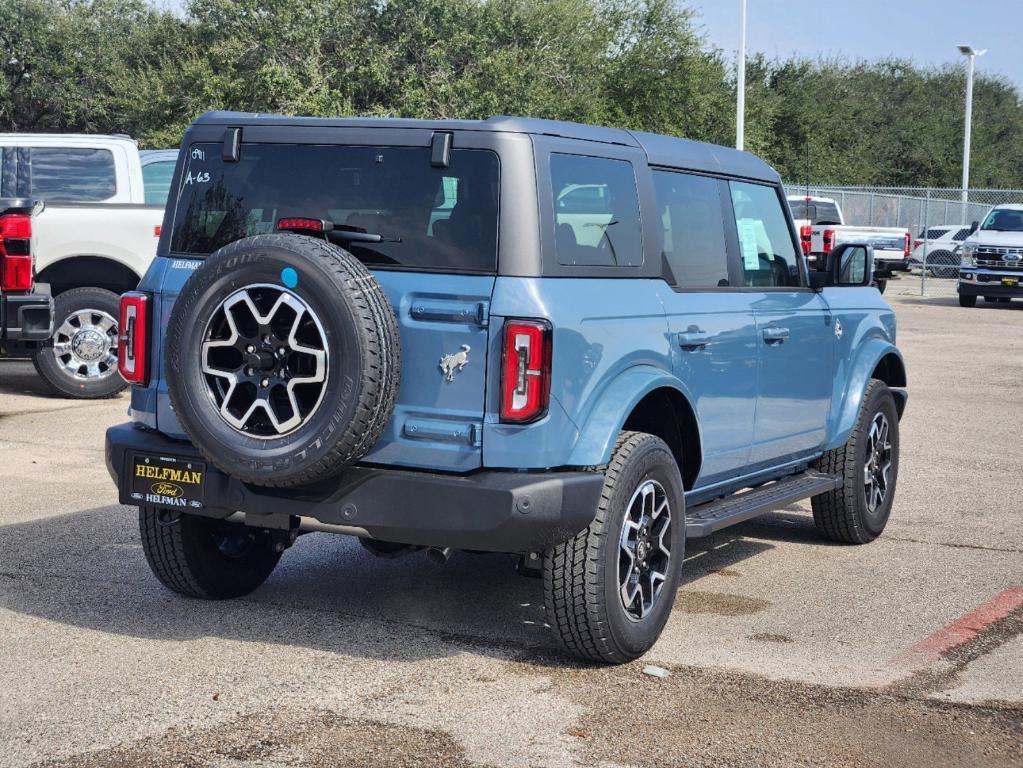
x: 609, y: 590
x: 206, y: 558
x: 966, y: 300
x: 868, y: 463
x: 83, y: 359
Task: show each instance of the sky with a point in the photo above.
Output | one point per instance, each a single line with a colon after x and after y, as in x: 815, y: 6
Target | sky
x: 925, y: 31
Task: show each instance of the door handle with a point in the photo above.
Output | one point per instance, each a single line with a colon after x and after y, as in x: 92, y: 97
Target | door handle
x: 775, y: 335
x: 693, y: 340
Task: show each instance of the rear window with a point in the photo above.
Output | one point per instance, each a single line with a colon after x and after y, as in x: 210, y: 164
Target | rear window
x: 71, y: 174
x: 156, y: 178
x: 430, y: 218
x: 816, y: 212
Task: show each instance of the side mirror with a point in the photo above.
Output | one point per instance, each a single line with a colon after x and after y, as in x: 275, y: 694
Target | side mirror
x: 852, y: 264
x: 974, y: 227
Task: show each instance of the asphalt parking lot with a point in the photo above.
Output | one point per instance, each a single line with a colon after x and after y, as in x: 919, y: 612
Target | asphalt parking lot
x: 782, y: 649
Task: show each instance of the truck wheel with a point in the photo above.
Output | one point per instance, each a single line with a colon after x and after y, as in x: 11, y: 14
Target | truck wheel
x: 868, y: 464
x: 609, y: 590
x: 83, y: 359
x: 966, y: 300
x: 206, y: 558
x: 283, y: 359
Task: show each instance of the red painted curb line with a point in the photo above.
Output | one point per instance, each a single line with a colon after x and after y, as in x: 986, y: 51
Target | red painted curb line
x: 962, y: 630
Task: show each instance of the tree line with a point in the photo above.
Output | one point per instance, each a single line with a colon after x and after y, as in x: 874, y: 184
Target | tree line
x: 124, y: 66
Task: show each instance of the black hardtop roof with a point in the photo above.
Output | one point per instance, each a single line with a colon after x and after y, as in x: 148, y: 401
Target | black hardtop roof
x: 660, y: 150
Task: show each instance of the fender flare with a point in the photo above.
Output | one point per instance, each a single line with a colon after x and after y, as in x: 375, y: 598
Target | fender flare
x: 597, y: 435
x: 847, y: 400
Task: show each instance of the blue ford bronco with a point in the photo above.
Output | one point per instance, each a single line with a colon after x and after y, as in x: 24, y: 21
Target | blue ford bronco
x: 579, y: 345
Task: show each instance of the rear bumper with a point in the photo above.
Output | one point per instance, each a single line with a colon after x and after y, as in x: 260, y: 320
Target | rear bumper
x: 893, y: 264
x: 25, y: 320
x: 488, y: 510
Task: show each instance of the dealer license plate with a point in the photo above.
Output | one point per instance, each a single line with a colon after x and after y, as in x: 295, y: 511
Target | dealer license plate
x: 1012, y: 282
x: 167, y: 481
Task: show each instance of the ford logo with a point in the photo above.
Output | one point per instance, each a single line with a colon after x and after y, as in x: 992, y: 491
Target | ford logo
x: 168, y: 489
x: 1017, y: 256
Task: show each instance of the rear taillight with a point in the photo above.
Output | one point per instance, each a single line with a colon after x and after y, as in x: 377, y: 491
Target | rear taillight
x: 806, y: 238
x: 16, y: 252
x: 905, y: 247
x: 526, y: 370
x: 133, y: 342
x: 917, y: 244
x: 829, y: 241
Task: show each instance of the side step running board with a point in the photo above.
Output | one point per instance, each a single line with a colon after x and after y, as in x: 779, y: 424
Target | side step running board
x: 708, y: 518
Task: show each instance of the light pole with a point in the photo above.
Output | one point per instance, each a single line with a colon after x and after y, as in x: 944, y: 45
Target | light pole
x: 740, y: 78
x: 970, y: 53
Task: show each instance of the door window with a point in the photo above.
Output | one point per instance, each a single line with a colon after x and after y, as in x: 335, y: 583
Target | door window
x: 689, y: 208
x: 72, y: 174
x: 596, y: 211
x: 768, y: 254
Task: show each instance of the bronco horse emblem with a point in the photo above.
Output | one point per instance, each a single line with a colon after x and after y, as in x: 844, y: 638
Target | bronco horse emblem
x: 451, y: 364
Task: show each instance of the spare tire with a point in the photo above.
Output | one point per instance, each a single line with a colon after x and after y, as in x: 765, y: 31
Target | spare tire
x: 283, y: 359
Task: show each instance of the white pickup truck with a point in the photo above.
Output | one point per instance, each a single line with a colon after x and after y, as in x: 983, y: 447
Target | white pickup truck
x: 93, y: 241
x: 822, y: 227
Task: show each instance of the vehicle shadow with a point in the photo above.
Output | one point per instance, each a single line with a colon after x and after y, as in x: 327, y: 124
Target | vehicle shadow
x: 953, y: 301
x: 19, y: 377
x: 87, y: 569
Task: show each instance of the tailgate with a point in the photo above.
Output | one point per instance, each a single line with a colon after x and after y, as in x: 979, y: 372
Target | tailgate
x: 438, y: 416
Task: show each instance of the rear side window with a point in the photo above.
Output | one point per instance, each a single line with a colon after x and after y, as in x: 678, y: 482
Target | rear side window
x: 596, y: 211
x: 934, y: 233
x: 689, y: 208
x: 962, y: 234
x: 156, y: 178
x: 768, y: 254
x: 430, y: 218
x: 71, y: 174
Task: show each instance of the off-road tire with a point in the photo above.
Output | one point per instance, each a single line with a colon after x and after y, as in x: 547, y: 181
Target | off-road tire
x: 55, y: 374
x: 967, y: 300
x: 183, y: 553
x: 842, y: 515
x: 363, y: 369
x: 580, y: 576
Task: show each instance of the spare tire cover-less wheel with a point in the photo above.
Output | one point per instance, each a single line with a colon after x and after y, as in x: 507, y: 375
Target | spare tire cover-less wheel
x: 282, y: 359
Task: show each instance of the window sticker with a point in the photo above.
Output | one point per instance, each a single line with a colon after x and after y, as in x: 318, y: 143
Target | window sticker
x: 748, y: 243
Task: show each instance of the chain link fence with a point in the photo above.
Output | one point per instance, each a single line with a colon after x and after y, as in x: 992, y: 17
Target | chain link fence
x: 938, y: 218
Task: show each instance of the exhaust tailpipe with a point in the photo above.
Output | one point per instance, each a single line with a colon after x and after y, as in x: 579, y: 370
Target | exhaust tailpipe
x: 439, y: 555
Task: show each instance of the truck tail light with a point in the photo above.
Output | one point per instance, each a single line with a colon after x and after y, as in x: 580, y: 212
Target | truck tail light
x: 16, y: 252
x: 526, y: 370
x: 905, y: 247
x: 806, y: 238
x: 133, y: 342
x: 917, y: 244
x: 829, y: 241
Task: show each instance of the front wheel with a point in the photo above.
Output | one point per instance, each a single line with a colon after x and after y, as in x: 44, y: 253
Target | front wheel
x: 966, y: 300
x: 868, y: 464
x: 206, y: 558
x: 83, y: 359
x: 609, y: 590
